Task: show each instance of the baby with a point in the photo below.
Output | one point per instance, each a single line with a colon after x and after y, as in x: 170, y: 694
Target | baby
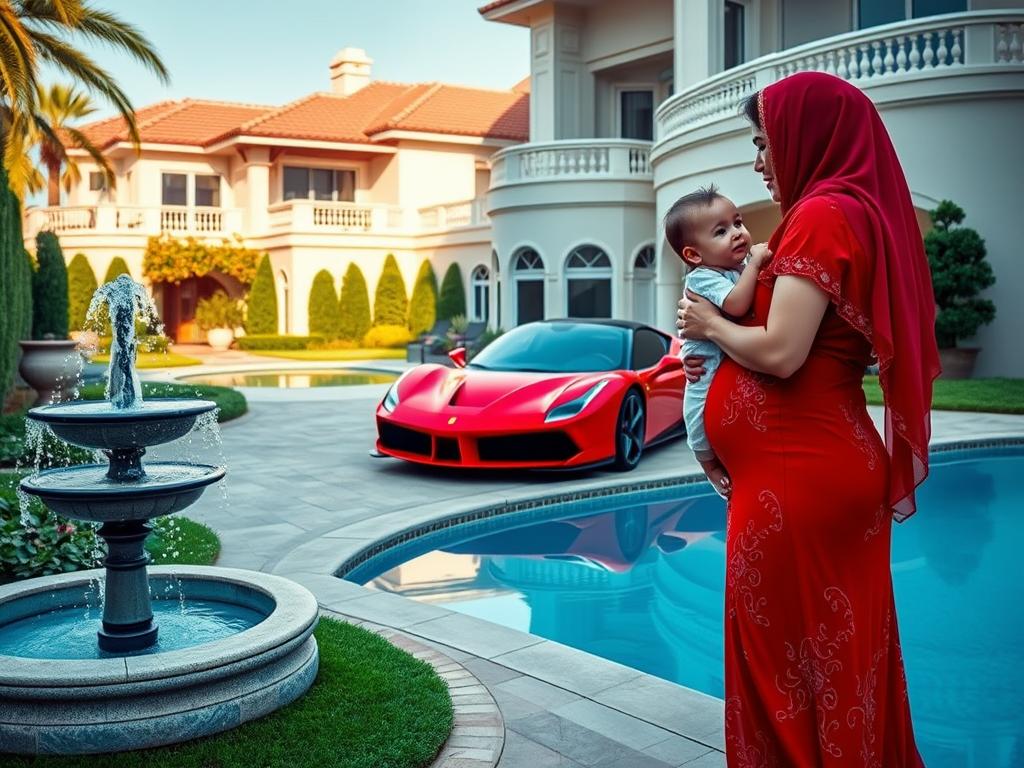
x: 706, y: 230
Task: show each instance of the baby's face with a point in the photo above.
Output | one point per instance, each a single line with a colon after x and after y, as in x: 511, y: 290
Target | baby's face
x: 720, y: 237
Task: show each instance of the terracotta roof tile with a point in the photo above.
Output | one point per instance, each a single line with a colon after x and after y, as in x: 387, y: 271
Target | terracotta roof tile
x: 460, y: 111
x: 190, y: 121
x: 523, y: 86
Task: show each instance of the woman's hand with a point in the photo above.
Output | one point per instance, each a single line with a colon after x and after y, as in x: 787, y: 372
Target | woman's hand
x: 694, y: 316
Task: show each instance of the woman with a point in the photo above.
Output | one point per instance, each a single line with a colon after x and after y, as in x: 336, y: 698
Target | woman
x: 813, y: 671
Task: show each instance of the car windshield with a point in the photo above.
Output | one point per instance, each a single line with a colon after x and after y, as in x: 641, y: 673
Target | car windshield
x: 547, y: 347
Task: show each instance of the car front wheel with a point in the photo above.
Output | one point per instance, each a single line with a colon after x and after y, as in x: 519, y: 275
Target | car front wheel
x: 629, y: 433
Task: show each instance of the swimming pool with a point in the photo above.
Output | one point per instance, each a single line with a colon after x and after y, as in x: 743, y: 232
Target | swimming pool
x: 638, y: 578
x: 292, y: 378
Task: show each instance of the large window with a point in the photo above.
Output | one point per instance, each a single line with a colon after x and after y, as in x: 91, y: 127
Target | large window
x: 734, y: 28
x: 643, y: 285
x: 318, y: 184
x: 872, y: 13
x: 481, y: 282
x: 588, y: 282
x: 636, y: 114
x: 207, y: 190
x: 174, y: 189
x: 528, y: 277
x: 97, y: 181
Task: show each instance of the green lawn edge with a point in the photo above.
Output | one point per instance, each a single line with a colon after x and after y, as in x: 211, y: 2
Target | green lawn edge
x: 372, y: 706
x: 982, y: 395
x: 231, y: 402
x: 331, y: 355
x: 155, y: 360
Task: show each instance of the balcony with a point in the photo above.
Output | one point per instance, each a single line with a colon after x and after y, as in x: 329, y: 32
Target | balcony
x: 574, y: 160
x: 942, y: 49
x: 133, y: 220
x: 467, y: 213
x: 328, y: 216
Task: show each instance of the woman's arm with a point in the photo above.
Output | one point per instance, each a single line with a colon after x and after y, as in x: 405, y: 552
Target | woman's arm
x: 737, y: 302
x: 779, y: 348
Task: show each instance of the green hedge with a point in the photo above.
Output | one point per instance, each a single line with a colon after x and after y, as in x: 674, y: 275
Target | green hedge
x: 261, y: 315
x: 118, y: 266
x: 452, y: 300
x: 324, y: 312
x: 423, y: 305
x: 15, y: 285
x: 354, y: 305
x: 264, y: 342
x: 231, y: 402
x: 81, y: 286
x: 390, y: 303
x: 49, y: 290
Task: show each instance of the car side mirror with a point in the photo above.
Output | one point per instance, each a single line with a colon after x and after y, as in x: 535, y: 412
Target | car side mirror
x: 670, y: 363
x: 458, y: 356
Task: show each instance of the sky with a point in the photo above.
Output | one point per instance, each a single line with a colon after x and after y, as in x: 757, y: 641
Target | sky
x: 274, y: 51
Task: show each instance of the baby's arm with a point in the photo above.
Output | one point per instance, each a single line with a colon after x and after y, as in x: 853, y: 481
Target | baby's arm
x: 738, y: 302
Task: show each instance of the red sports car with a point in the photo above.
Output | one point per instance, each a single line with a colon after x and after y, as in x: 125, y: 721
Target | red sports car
x: 550, y: 394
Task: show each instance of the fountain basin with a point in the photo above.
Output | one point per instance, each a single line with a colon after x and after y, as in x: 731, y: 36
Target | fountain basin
x: 98, y: 424
x: 81, y: 706
x: 85, y: 492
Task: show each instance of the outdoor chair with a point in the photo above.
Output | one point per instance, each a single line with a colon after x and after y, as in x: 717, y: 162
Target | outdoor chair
x: 416, y: 351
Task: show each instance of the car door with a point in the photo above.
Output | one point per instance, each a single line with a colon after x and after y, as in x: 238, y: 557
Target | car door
x: 663, y: 384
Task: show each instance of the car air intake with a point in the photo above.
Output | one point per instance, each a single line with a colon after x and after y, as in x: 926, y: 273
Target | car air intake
x: 448, y: 449
x: 532, y: 446
x: 402, y: 439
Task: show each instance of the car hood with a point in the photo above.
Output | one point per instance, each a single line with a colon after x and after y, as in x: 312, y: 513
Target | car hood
x: 446, y: 388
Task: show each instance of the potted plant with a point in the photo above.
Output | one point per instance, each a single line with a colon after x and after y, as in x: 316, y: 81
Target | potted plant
x: 50, y: 362
x: 956, y: 256
x: 218, y: 315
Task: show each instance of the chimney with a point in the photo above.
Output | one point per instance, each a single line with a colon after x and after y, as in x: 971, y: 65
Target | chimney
x: 350, y: 71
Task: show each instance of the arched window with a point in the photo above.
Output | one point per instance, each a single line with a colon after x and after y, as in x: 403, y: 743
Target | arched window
x: 496, y: 269
x: 588, y: 282
x: 285, y: 300
x: 481, y: 284
x: 643, y: 285
x: 528, y: 274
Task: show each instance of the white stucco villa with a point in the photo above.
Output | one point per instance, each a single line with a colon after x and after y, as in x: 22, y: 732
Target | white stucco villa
x: 554, y: 210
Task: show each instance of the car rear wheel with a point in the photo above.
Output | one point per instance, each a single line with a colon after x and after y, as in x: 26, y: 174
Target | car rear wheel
x: 629, y: 432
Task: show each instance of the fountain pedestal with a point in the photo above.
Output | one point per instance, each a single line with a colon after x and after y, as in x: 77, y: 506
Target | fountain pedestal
x: 127, y: 614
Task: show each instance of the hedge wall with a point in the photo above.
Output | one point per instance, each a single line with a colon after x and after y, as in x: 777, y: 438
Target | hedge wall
x: 15, y: 284
x: 49, y: 290
x: 354, y: 305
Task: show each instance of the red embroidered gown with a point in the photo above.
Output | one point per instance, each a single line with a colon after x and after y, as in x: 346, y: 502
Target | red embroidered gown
x: 813, y: 671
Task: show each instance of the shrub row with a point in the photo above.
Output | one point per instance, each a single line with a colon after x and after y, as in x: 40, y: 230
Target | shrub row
x: 15, y: 285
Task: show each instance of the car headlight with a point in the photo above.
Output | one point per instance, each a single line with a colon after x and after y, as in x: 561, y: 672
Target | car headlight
x: 575, y: 406
x: 390, y: 401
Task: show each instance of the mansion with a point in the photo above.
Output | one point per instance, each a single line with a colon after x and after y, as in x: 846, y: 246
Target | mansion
x: 549, y: 194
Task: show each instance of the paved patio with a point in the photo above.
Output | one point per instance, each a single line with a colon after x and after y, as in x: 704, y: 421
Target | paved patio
x: 304, y: 495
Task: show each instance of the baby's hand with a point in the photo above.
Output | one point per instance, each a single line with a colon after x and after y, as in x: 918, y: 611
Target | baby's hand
x: 759, y: 255
x: 718, y: 476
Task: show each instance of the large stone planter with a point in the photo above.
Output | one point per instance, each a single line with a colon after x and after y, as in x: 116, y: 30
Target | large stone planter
x: 220, y: 338
x: 51, y: 368
x: 958, y: 362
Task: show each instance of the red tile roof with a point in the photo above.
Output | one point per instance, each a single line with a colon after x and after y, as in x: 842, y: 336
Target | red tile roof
x: 378, y: 107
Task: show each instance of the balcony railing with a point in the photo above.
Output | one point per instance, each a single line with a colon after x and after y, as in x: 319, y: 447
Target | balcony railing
x: 467, y: 213
x: 569, y: 160
x: 331, y: 216
x: 909, y: 50
x: 128, y: 219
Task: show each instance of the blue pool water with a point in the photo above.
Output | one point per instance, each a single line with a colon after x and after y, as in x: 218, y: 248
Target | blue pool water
x: 639, y: 579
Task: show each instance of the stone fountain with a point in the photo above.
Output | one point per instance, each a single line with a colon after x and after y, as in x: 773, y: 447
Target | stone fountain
x: 238, y: 644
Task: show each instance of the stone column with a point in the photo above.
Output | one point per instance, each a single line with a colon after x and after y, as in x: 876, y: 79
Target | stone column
x: 257, y: 185
x: 561, y: 88
x: 697, y: 27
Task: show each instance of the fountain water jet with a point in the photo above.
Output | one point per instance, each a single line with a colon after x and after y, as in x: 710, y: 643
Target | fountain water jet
x: 137, y: 694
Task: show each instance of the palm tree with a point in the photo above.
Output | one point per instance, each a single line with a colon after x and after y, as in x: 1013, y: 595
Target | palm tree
x: 58, y: 105
x: 37, y: 31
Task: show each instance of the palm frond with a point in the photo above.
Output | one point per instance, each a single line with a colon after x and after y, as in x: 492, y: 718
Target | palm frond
x: 81, y: 141
x: 17, y: 60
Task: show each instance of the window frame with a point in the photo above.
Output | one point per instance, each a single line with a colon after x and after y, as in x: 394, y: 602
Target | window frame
x: 532, y: 274
x: 336, y: 190
x: 590, y: 272
x: 618, y: 89
x: 481, y: 306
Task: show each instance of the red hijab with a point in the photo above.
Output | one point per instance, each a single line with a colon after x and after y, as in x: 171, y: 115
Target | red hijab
x: 826, y: 138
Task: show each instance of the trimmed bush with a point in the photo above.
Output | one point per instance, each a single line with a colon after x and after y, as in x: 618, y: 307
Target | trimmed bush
x: 324, y: 312
x: 218, y: 311
x: 452, y: 300
x: 49, y: 290
x: 15, y: 284
x: 118, y: 266
x: 81, y: 286
x: 390, y: 303
x: 354, y: 305
x: 423, y: 305
x: 387, y: 336
x: 262, y: 343
x: 261, y: 317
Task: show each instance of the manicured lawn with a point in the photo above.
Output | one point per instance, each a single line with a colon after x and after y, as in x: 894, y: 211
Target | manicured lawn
x: 372, y: 706
x: 333, y: 355
x: 155, y: 360
x: 178, y: 540
x: 988, y: 395
x: 231, y: 402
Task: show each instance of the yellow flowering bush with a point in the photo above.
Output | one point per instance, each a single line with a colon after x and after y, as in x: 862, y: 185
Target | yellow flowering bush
x: 170, y: 260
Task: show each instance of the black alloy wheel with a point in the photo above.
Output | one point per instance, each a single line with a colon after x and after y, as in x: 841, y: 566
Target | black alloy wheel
x: 629, y: 433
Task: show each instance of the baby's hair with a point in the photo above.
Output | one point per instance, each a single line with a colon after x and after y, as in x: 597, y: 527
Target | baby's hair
x: 679, y: 219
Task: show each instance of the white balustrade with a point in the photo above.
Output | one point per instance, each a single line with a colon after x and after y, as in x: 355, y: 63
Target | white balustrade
x: 905, y: 50
x: 331, y: 216
x: 574, y: 159
x: 466, y: 213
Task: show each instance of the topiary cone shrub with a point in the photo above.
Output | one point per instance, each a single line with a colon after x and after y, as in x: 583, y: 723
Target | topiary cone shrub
x: 261, y: 307
x: 81, y: 286
x: 324, y: 318
x: 354, y: 305
x: 423, y: 305
x: 49, y: 290
x: 390, y: 303
x: 452, y: 300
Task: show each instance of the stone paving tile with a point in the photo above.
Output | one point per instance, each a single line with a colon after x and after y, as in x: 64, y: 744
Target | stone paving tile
x: 668, y: 705
x: 476, y: 636
x: 624, y: 729
x: 710, y: 760
x: 488, y: 672
x: 394, y: 610
x: 581, y: 744
x: 521, y: 752
x: 676, y: 750
x: 536, y: 691
x: 567, y: 667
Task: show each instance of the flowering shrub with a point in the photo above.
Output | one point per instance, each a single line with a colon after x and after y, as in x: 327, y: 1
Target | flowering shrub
x: 170, y: 260
x: 44, y: 544
x: 387, y: 336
